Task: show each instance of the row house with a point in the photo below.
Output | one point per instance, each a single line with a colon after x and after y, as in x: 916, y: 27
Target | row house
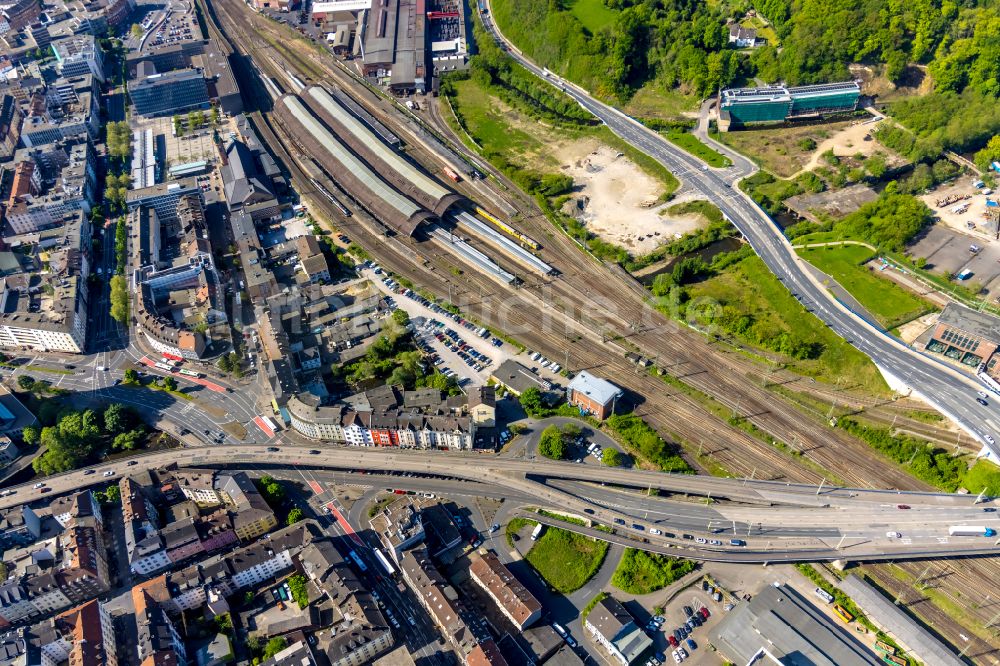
x: 415, y: 422
x: 220, y: 576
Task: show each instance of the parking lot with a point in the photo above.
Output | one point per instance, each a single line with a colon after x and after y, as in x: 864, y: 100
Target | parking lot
x: 949, y: 250
x: 452, y: 352
x: 685, y: 623
x: 179, y: 26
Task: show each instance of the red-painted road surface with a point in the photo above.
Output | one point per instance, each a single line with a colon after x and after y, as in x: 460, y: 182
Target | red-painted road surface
x: 262, y: 424
x: 346, y: 526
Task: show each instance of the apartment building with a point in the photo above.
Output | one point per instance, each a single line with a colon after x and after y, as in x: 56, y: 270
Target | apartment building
x: 514, y: 600
x: 388, y: 417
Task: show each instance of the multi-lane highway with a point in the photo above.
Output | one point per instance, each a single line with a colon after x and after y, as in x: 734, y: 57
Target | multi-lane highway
x: 777, y: 521
x: 946, y: 388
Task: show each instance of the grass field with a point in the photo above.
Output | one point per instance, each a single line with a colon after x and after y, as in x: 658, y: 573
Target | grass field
x: 566, y: 559
x: 749, y: 287
x: 501, y: 129
x: 490, y: 124
x: 781, y: 150
x: 640, y: 572
x: 694, y: 145
x: 593, y: 14
x: 653, y: 102
x: 891, y: 304
x: 984, y: 475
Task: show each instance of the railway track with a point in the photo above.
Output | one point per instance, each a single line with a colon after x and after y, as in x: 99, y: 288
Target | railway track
x: 586, y: 314
x: 668, y: 410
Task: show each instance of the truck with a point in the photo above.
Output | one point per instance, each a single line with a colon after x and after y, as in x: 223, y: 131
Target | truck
x: 537, y: 532
x: 971, y: 530
x: 452, y: 175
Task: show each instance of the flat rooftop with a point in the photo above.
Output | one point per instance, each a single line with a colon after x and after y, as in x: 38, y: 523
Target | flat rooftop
x: 785, y: 93
x: 898, y: 624
x: 977, y: 323
x: 782, y: 625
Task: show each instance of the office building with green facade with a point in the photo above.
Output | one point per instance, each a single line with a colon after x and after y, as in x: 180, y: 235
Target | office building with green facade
x: 776, y: 104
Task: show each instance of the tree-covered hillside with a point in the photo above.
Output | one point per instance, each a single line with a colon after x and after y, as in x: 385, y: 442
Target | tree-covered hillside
x: 684, y: 42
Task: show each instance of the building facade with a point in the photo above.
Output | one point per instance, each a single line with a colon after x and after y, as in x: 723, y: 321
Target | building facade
x: 168, y: 93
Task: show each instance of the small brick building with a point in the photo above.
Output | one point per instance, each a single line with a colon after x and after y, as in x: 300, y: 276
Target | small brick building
x: 593, y: 395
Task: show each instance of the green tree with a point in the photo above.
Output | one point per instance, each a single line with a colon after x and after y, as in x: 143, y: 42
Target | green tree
x: 989, y: 154
x: 401, y: 317
x: 225, y: 623
x: 553, y: 444
x: 235, y: 364
x: 29, y: 435
x: 531, y: 401
x: 131, y: 376
x: 876, y: 165
x: 294, y: 516
x: 116, y: 418
x: 69, y: 442
x: 274, y: 646
x: 119, y: 299
x: 127, y: 441
x: 136, y: 31
x: 112, y: 494
x: 170, y: 383
x: 298, y: 585
x: 178, y: 126
x: 215, y: 115
x: 611, y: 457
x: 26, y: 382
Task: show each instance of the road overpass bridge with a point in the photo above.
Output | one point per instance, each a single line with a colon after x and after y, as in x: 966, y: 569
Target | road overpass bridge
x: 780, y: 521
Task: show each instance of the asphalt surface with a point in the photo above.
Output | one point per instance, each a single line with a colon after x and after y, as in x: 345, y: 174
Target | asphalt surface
x: 855, y: 525
x: 951, y: 392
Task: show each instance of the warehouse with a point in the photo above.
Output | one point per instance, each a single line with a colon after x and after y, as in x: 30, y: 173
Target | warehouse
x: 394, y: 45
x: 385, y: 203
x: 776, y: 104
x: 404, y: 176
x: 779, y: 626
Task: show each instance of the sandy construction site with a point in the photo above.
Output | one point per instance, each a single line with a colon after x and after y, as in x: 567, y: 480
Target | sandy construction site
x: 617, y: 200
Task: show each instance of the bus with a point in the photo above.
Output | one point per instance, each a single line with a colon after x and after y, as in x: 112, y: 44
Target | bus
x: 358, y: 561
x: 189, y: 373
x: 384, y: 562
x: 270, y: 423
x: 169, y: 361
x: 843, y: 614
x: 164, y: 367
